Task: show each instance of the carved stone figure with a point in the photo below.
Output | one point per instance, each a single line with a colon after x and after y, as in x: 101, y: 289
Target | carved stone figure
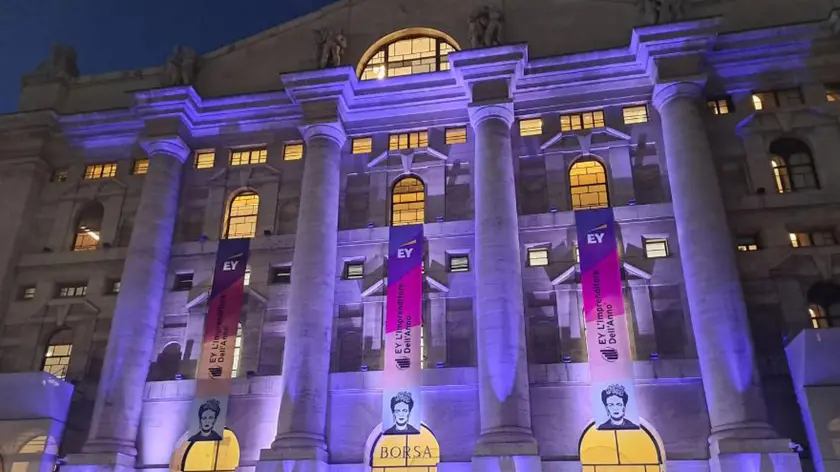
x: 60, y: 65
x: 331, y: 47
x: 486, y: 27
x: 180, y: 67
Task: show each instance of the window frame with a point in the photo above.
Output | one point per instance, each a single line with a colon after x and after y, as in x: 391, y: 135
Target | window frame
x: 49, y: 354
x: 533, y: 250
x: 635, y: 121
x: 594, y: 121
x: 262, y: 156
x: 535, y: 130
x: 572, y: 187
x: 361, y: 145
x: 197, y: 159
x: 714, y: 105
x: 72, y: 290
x: 455, y: 135
x: 140, y: 166
x: 351, y: 264
x: 747, y: 243
x: 276, y: 277
x: 420, y: 139
x: 450, y: 262
x: 102, y: 170
x: 231, y: 219
x: 395, y: 204
x: 293, y: 151
x: 27, y: 292
x: 804, y: 239
x: 647, y: 241
x: 183, y: 282
x: 386, y: 63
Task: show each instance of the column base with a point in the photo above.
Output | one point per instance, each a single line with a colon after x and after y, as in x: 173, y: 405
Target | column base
x: 100, y: 462
x: 506, y: 442
x: 501, y: 463
x: 755, y: 455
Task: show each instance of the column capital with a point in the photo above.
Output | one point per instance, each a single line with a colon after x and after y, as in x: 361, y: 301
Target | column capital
x: 663, y: 93
x: 500, y: 111
x: 172, y: 146
x: 332, y: 130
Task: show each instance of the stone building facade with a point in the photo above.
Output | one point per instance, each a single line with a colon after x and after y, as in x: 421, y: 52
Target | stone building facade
x: 709, y: 129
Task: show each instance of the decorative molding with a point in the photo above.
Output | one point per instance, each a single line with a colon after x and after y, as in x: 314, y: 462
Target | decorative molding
x: 172, y: 146
x: 500, y: 111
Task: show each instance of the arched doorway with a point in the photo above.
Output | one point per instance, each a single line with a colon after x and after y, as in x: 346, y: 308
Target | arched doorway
x: 206, y: 456
x: 629, y: 450
x: 402, y: 452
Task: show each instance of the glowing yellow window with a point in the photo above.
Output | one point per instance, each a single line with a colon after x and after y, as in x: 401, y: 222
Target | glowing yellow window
x: 408, y: 204
x: 588, y: 185
x: 100, y: 171
x: 636, y: 114
x: 402, y: 141
x: 818, y: 317
x: 88, y: 227
x: 630, y: 450
x: 456, y: 135
x: 242, y: 216
x: 205, y: 159
x: 537, y: 256
x: 530, y: 127
x: 141, y: 167
x: 719, y: 106
x: 57, y: 359
x: 207, y: 456
x: 362, y: 145
x: 249, y: 156
x: 292, y: 151
x: 586, y: 120
x: 237, y: 351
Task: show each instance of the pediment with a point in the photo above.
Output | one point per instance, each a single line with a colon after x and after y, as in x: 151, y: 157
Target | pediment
x: 571, y: 274
x: 585, y: 140
x: 406, y: 160
x: 379, y: 287
x: 784, y: 121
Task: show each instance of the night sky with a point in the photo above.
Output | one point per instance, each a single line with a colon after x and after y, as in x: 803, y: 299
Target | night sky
x: 111, y: 35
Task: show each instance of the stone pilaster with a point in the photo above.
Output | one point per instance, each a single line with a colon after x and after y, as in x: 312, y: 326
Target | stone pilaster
x: 119, y: 400
x: 301, y: 425
x: 500, y: 325
x: 740, y: 433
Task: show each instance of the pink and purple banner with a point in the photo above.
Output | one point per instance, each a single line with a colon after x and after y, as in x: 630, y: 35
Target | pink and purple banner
x: 208, y: 413
x: 613, y: 389
x: 401, y: 405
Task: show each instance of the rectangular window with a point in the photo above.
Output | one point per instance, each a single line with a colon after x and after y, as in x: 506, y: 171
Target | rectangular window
x: 354, y: 270
x: 585, y: 120
x: 362, y: 145
x: 402, y: 141
x: 246, y: 280
x: 141, y: 167
x: 27, y: 293
x: 292, y: 152
x: 764, y: 101
x: 86, y: 239
x: 530, y: 127
x: 57, y: 359
x: 456, y: 135
x: 813, y: 238
x: 832, y: 93
x: 281, y: 275
x: 59, y: 175
x: 720, y: 106
x: 248, y: 156
x: 183, y: 282
x: 747, y: 243
x: 101, y: 171
x: 114, y: 286
x: 635, y: 114
x: 537, y: 256
x: 656, y: 248
x: 459, y: 263
x: 72, y: 290
x: 205, y: 159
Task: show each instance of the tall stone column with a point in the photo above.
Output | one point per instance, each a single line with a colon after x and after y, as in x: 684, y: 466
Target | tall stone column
x: 500, y: 323
x: 119, y: 400
x: 306, y: 361
x: 712, y: 282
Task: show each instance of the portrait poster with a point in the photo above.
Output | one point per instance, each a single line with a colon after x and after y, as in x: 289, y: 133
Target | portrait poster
x: 613, y: 392
x: 402, y: 410
x: 208, y: 412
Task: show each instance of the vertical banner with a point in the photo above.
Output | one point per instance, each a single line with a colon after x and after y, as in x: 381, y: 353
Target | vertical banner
x: 208, y: 413
x: 613, y: 389
x: 401, y: 405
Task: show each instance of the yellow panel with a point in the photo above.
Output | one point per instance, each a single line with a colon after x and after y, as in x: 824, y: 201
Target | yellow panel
x: 636, y: 447
x: 598, y: 447
x: 206, y: 456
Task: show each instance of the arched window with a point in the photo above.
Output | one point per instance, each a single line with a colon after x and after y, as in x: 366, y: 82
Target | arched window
x: 588, y: 185
x: 241, y: 219
x: 824, y: 305
x: 793, y: 166
x: 88, y: 227
x: 57, y: 355
x: 207, y: 456
x: 616, y: 450
x: 408, y: 202
x: 237, y: 351
x: 407, y: 52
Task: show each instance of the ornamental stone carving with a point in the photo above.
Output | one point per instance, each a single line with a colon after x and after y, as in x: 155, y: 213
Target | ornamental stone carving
x: 180, y: 67
x: 61, y: 65
x: 486, y: 27
x: 331, y: 47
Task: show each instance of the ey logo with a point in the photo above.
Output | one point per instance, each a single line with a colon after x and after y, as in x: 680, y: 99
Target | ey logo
x: 231, y: 264
x: 405, y: 252
x: 596, y: 238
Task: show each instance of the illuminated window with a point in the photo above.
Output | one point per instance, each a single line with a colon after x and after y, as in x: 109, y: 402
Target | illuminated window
x: 280, y: 275
x: 246, y: 279
x: 241, y: 221
x: 59, y: 175
x: 459, y: 263
x: 88, y: 227
x: 793, y: 167
x: 777, y: 98
x: 237, y: 352
x: 832, y: 93
x: 354, y: 270
x: 588, y: 185
x: 141, y: 167
x: 813, y: 238
x: 635, y: 114
x: 720, y: 106
x: 205, y: 159
x: 362, y: 145
x: 27, y: 293
x: 114, y: 286
x: 207, y: 456
x: 383, y: 457
x: 100, y: 171
x: 456, y: 135
x: 408, y: 204
x: 630, y: 450
x: 292, y: 152
x: 407, y: 55
x: 402, y: 141
x: 57, y: 355
x: 530, y: 127
x: 586, y: 120
x: 248, y: 156
x: 72, y: 290
x: 183, y: 282
x: 656, y: 248
x: 537, y: 256
x: 747, y: 243
x: 818, y: 317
